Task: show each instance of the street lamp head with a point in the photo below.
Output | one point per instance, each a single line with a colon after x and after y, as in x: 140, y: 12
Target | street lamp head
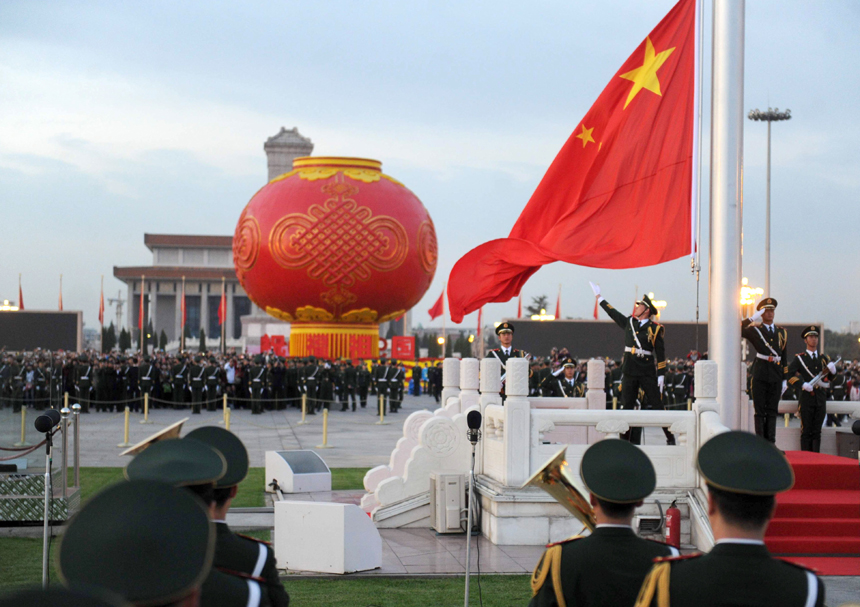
x: 771, y: 115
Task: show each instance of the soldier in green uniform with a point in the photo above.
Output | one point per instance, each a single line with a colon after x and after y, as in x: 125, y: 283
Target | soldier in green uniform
x: 838, y: 391
x: 505, y: 331
x: 179, y: 381
x: 257, y: 380
x: 380, y: 380
x: 234, y: 552
x: 350, y: 376
x: 395, y: 386
x: 5, y: 379
x: 197, y: 382
x: 565, y: 386
x: 17, y: 383
x: 644, y: 362
x: 770, y: 367
x: 144, y: 541
x: 607, y: 567
x: 41, y: 395
x: 744, y: 472
x: 310, y: 379
x: 212, y: 373
x: 362, y: 383
x: 812, y: 400
x: 196, y: 466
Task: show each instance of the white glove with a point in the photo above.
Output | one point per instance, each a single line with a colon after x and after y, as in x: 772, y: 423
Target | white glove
x: 595, y: 289
x: 757, y: 316
x: 660, y: 381
x: 807, y: 386
x: 831, y: 367
x: 784, y: 387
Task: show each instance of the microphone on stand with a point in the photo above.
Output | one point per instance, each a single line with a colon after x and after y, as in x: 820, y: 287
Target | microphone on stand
x: 473, y: 420
x: 47, y: 420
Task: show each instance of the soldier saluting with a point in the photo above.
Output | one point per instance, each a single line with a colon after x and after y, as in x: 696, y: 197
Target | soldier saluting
x: 644, y: 363
x: 505, y: 331
x: 565, y: 386
x: 812, y: 399
x: 769, y: 369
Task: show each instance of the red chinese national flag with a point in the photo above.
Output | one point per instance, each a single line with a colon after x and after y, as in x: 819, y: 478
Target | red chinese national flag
x: 618, y: 194
x: 438, y: 308
x: 222, y: 307
x: 102, y: 308
x: 20, y: 294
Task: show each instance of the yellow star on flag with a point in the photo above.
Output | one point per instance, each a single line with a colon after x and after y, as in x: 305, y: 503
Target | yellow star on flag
x: 645, y: 76
x: 585, y: 135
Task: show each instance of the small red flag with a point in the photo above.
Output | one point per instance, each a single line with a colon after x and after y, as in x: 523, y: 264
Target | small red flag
x: 183, y: 307
x: 619, y: 193
x: 438, y: 308
x: 596, y: 303
x: 222, y: 307
x: 61, y: 292
x: 102, y: 307
x: 20, y: 294
x: 520, y: 306
x: 558, y: 304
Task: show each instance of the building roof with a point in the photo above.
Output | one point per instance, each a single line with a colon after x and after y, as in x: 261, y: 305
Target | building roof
x: 290, y: 137
x: 187, y: 241
x: 173, y: 273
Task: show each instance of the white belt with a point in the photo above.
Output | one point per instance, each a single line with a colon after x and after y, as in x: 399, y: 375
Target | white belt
x: 638, y: 352
x: 770, y: 359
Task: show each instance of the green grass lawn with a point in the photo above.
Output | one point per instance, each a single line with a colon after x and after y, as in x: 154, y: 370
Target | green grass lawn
x: 250, y: 494
x: 21, y: 560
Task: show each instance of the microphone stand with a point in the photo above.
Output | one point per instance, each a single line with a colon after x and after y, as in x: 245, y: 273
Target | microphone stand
x: 48, y: 494
x: 474, y: 437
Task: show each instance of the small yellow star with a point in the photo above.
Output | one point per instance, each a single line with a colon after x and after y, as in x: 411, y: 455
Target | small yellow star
x: 585, y: 135
x: 645, y: 76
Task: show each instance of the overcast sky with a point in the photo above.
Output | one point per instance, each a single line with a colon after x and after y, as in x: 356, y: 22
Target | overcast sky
x: 119, y: 118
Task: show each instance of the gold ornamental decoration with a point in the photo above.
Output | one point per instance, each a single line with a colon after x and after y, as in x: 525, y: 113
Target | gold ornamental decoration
x: 338, y: 241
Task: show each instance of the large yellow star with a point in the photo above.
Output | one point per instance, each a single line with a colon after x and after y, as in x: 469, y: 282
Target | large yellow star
x: 585, y: 135
x: 645, y: 76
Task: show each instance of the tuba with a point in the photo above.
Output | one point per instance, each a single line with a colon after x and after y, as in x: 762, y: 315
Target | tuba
x: 555, y: 478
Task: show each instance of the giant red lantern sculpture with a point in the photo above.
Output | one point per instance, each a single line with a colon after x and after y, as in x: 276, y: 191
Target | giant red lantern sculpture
x: 335, y: 247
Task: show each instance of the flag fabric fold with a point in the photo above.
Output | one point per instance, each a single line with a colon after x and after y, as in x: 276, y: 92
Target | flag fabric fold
x: 618, y: 194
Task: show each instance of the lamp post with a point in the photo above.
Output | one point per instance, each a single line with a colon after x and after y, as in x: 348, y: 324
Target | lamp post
x: 771, y: 115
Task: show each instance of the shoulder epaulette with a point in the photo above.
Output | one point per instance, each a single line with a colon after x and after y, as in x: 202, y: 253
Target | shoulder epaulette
x: 680, y: 557
x: 253, y: 539
x: 565, y: 541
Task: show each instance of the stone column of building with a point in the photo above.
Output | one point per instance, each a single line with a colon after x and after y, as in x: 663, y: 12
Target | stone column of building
x: 283, y: 148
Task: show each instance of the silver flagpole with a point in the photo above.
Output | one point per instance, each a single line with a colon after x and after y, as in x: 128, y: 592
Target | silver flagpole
x: 727, y: 139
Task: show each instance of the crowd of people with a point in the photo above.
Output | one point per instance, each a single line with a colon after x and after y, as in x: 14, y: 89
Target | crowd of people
x: 112, y: 381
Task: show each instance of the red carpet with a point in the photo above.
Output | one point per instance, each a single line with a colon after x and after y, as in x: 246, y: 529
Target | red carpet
x: 817, y: 523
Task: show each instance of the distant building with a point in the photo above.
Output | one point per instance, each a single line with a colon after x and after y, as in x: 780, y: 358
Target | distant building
x: 204, y: 261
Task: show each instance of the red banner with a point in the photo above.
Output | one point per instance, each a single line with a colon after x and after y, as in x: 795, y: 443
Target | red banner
x: 403, y: 347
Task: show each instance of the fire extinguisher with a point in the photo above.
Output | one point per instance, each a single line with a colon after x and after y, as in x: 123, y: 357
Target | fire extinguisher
x: 673, y: 526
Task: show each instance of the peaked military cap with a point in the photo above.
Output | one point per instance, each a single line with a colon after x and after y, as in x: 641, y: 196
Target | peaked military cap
x: 768, y: 303
x: 146, y: 541
x: 505, y: 327
x: 230, y: 446
x: 615, y: 470
x: 568, y: 362
x: 178, y: 463
x: 650, y: 304
x: 810, y: 330
x: 740, y: 462
x: 57, y: 596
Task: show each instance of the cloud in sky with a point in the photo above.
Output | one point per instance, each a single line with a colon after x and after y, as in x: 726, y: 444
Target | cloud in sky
x: 121, y: 118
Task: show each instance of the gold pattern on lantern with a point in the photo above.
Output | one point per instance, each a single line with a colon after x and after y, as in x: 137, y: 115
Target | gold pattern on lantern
x: 362, y: 315
x: 338, y: 241
x: 392, y: 316
x: 280, y: 314
x: 312, y: 314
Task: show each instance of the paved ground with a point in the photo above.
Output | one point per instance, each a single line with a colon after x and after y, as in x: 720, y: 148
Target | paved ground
x: 355, y: 438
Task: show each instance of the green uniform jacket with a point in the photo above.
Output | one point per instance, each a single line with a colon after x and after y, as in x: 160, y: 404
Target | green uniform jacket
x: 765, y: 343
x: 647, y: 337
x: 603, y: 569
x: 731, y: 574
x: 236, y: 553
x: 559, y: 387
x: 223, y: 590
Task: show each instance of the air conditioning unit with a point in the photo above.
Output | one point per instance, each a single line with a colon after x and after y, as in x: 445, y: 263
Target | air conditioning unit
x: 447, y: 502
